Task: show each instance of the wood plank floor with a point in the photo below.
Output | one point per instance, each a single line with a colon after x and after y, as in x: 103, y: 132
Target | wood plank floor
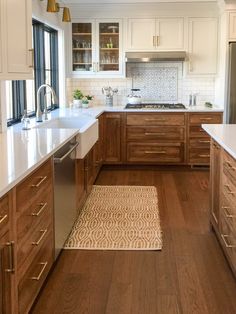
x: 189, y: 276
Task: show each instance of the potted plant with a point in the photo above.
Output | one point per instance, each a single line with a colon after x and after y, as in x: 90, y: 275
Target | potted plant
x: 77, y: 98
x: 86, y: 100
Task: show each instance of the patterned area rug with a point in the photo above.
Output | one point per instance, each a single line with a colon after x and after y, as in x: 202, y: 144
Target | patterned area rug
x: 118, y: 218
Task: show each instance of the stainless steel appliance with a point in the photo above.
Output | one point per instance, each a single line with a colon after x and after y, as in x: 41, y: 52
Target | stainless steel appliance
x: 65, y: 210
x: 148, y: 56
x: 231, y: 97
x: 154, y: 106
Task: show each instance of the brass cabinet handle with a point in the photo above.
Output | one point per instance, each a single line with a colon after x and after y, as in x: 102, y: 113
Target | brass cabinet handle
x: 216, y: 146
x: 41, y: 271
x: 32, y: 60
x: 227, y: 214
x: 42, y: 206
x: 154, y: 41
x: 229, y: 189
x: 41, y: 237
x: 224, y: 237
x: 153, y: 119
x: 156, y: 134
x: 229, y: 165
x: 42, y: 179
x: 204, y: 156
x: 204, y: 141
x: 11, y: 268
x: 207, y: 119
x: 155, y: 152
x: 157, y: 40
x: 3, y: 218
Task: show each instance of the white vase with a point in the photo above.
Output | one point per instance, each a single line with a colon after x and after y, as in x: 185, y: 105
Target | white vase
x: 77, y: 103
x: 85, y: 105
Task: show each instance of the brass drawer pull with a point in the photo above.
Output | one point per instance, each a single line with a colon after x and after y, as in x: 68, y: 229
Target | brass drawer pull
x: 204, y: 156
x: 156, y: 134
x: 156, y: 120
x: 207, y: 119
x: 41, y: 272
x: 229, y: 189
x: 32, y: 62
x: 42, y: 206
x: 157, y: 40
x: 204, y: 141
x: 229, y: 165
x: 41, y: 237
x: 3, y: 218
x: 155, y: 152
x: 227, y: 214
x: 154, y: 41
x: 224, y: 237
x: 42, y: 179
x: 10, y: 246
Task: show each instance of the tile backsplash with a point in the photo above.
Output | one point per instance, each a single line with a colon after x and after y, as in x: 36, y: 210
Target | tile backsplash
x: 160, y: 82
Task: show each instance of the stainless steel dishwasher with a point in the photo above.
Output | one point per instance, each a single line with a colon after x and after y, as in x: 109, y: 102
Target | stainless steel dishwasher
x: 64, y: 193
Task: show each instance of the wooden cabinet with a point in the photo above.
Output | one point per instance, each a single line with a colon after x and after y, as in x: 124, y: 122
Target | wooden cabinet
x: 34, y: 233
x: 202, y: 45
x: 232, y: 26
x: 156, y: 34
x: 96, y: 47
x: 98, y: 149
x: 155, y: 137
x: 7, y: 257
x: 80, y: 182
x: 112, y: 132
x: 198, y: 142
x: 16, y: 60
x: 215, y: 169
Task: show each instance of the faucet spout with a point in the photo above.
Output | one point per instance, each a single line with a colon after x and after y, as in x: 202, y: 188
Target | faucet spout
x: 39, y: 113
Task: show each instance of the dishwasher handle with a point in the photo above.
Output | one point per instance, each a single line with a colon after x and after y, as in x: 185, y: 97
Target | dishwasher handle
x: 58, y: 160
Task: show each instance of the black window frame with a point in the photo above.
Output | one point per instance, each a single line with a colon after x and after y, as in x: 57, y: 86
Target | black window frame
x: 19, y: 97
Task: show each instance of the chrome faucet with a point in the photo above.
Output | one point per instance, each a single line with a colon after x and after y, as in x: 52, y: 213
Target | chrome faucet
x: 39, y: 114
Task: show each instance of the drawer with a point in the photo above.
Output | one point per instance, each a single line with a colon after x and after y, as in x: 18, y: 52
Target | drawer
x: 200, y: 142
x: 197, y: 132
x: 199, y: 155
x: 30, y: 242
x: 153, y: 119
x: 144, y: 152
x: 4, y: 210
x: 205, y: 118
x: 29, y: 191
x: 228, y: 240
x: 229, y: 167
x: 35, y: 275
x: 228, y: 212
x: 155, y: 133
x: 229, y: 189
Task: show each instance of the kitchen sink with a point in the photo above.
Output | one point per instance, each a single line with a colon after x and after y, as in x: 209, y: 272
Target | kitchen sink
x: 87, y: 135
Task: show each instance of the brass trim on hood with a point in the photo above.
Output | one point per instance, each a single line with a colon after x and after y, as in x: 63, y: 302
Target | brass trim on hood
x: 155, y: 56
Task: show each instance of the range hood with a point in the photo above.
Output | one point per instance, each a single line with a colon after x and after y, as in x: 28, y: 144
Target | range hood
x: 155, y: 56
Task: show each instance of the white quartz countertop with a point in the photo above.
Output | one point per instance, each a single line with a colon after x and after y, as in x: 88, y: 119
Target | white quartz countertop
x: 223, y: 134
x: 23, y: 151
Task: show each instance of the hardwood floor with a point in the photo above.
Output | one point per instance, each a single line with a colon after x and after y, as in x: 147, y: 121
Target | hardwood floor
x: 189, y: 276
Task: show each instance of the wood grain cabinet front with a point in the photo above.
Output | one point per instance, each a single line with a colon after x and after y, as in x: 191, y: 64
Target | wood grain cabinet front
x: 198, y: 142
x: 155, y: 138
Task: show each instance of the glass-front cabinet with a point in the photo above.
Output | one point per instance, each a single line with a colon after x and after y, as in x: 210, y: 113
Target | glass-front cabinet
x: 96, y: 48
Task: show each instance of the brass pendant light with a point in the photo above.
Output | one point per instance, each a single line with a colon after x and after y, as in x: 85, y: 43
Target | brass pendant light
x: 51, y: 6
x: 66, y: 15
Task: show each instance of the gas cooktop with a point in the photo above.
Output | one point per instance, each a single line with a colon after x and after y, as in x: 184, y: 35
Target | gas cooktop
x: 155, y: 106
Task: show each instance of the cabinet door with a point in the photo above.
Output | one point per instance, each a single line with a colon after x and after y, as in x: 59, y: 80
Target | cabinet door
x: 170, y: 34
x: 1, y: 35
x: 112, y: 138
x: 232, y: 26
x: 82, y: 47
x: 18, y: 15
x: 215, y: 182
x: 5, y: 276
x: 141, y: 34
x: 202, y: 46
x: 80, y: 182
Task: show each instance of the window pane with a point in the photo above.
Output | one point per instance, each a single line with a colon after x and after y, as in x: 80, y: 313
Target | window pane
x: 30, y: 96
x: 47, y: 50
x: 9, y: 100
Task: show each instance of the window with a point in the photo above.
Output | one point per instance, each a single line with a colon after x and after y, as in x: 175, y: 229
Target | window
x: 21, y: 95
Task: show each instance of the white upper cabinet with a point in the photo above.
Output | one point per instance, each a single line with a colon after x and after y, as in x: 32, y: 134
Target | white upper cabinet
x: 202, y: 46
x: 1, y: 35
x: 16, y: 40
x: 155, y: 34
x: 232, y: 26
